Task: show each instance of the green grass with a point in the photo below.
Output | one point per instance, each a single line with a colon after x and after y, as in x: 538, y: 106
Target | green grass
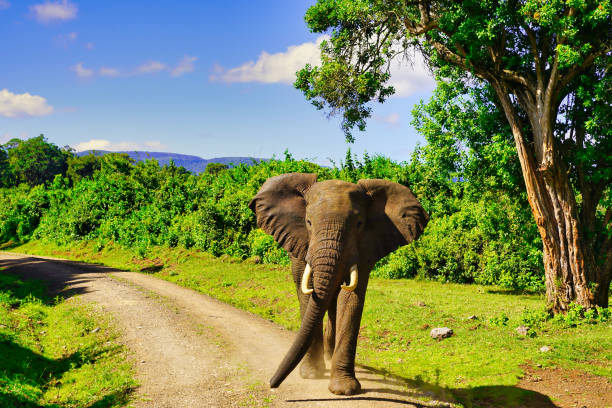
x: 481, y: 361
x: 51, y: 354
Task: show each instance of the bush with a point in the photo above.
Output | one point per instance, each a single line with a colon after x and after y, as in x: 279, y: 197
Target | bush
x: 488, y: 240
x: 264, y: 246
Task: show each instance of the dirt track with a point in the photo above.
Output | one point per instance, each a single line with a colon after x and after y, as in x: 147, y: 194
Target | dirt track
x: 193, y: 351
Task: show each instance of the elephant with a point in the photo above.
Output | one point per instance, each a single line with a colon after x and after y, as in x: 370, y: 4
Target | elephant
x: 334, y: 232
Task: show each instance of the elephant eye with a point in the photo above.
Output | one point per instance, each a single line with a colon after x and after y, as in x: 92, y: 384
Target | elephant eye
x: 309, y: 223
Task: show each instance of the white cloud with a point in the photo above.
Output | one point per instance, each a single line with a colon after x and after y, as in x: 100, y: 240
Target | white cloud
x: 411, y: 77
x: 406, y: 77
x: 393, y: 119
x: 81, y: 71
x: 273, y: 68
x: 54, y: 11
x: 108, y: 72
x: 151, y: 67
x: 103, y: 144
x: 15, y: 105
x: 4, y: 4
x: 184, y: 66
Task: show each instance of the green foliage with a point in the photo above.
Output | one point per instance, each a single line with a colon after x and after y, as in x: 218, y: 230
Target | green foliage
x: 21, y: 209
x: 577, y: 314
x: 483, y: 238
x: 534, y: 319
x: 84, y: 166
x: 501, y: 320
x: 35, y: 161
x: 49, y: 356
x: 6, y: 174
x: 264, y: 246
x: 488, y: 40
x: 214, y: 168
x: 531, y: 59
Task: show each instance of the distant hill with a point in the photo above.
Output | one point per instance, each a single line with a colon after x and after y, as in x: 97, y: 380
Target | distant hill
x: 194, y: 164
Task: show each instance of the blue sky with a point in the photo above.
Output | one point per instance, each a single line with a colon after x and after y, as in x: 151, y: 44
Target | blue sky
x: 195, y: 77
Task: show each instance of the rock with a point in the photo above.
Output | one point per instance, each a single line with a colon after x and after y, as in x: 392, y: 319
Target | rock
x: 97, y: 329
x: 473, y: 317
x: 441, y: 333
x: 539, y: 365
x: 522, y: 330
x: 545, y: 349
x: 420, y: 304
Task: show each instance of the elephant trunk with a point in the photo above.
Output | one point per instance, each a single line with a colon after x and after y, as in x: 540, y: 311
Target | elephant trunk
x: 325, y: 279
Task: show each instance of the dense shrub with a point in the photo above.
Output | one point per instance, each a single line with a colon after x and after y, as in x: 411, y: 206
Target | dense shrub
x: 487, y: 242
x: 491, y: 239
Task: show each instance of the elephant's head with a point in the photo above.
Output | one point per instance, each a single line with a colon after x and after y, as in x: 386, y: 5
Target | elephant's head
x: 338, y: 228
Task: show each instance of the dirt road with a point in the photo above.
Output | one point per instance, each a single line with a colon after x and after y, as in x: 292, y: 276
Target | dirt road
x: 193, y: 351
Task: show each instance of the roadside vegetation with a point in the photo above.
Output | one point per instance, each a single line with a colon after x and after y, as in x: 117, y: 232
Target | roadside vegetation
x: 56, y: 352
x: 482, y: 361
x: 480, y: 255
x: 481, y: 229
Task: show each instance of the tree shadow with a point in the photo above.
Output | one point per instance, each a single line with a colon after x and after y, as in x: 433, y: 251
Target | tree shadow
x: 62, y: 278
x: 515, y: 292
x: 24, y: 373
x: 152, y: 269
x: 30, y: 373
x: 492, y: 396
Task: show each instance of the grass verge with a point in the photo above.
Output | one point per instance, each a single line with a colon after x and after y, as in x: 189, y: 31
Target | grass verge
x: 56, y: 353
x: 481, y: 361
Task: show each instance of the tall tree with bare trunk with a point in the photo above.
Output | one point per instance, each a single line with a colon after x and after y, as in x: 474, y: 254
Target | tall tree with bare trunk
x: 547, y: 64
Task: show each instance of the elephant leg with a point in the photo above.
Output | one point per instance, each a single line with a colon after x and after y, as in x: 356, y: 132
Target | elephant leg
x: 313, y: 364
x: 329, y: 335
x: 348, y: 318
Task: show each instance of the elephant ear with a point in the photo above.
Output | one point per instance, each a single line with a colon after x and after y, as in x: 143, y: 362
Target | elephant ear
x: 395, y: 217
x: 281, y: 210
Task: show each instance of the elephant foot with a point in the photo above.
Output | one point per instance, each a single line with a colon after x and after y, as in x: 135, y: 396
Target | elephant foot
x: 344, y: 385
x: 312, y: 370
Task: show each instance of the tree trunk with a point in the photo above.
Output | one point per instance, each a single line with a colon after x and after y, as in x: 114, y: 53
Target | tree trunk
x: 572, y: 275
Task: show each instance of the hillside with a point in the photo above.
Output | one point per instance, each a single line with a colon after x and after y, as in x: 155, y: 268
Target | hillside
x: 194, y: 164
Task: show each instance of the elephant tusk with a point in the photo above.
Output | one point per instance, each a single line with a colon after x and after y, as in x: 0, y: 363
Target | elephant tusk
x: 306, y: 279
x: 353, y: 284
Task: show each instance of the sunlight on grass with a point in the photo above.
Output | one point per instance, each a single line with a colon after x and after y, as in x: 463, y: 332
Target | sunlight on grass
x: 56, y: 353
x: 485, y: 352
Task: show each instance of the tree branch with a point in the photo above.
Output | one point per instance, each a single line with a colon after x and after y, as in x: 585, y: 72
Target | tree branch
x: 536, y: 55
x: 577, y: 69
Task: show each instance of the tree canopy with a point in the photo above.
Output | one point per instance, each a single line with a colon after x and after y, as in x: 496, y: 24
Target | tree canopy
x: 33, y: 161
x: 543, y: 65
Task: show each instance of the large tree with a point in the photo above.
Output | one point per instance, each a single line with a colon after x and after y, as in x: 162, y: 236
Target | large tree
x: 35, y: 161
x: 546, y: 64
